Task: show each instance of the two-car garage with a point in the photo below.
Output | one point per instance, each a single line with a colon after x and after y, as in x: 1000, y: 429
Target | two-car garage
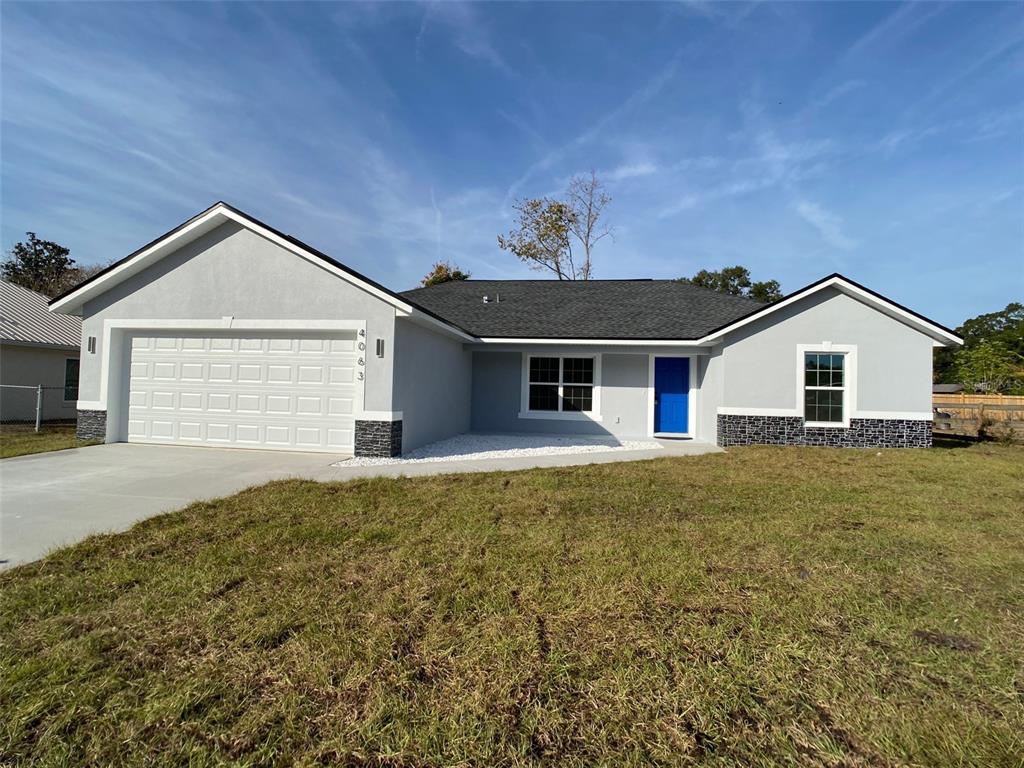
x: 280, y: 392
x: 226, y: 332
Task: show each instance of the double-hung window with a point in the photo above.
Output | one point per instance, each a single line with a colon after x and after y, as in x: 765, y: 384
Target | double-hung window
x: 824, y: 388
x: 560, y: 384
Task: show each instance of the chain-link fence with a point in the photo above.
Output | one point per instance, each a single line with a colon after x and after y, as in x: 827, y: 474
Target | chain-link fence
x: 35, y: 406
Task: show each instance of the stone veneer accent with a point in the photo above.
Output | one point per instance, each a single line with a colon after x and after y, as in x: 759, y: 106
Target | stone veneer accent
x: 790, y: 430
x: 92, y: 425
x: 378, y: 438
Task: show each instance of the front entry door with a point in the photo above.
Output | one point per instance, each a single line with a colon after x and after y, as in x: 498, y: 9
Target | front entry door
x: 672, y: 394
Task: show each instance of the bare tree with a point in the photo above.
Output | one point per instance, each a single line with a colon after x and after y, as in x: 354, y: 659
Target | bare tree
x: 587, y: 201
x: 546, y: 229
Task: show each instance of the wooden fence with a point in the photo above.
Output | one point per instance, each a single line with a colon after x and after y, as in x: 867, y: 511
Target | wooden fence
x: 980, y: 419
x: 965, y: 398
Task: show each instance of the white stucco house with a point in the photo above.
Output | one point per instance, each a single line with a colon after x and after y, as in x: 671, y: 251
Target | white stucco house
x: 37, y: 348
x: 226, y: 332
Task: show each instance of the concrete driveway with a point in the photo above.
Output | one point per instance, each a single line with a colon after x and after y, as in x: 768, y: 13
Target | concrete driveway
x: 51, y: 499
x: 48, y: 500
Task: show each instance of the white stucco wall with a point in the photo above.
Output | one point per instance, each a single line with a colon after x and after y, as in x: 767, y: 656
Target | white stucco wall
x: 894, y: 361
x: 232, y: 271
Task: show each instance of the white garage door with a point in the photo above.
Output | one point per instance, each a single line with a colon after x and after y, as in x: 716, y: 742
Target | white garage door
x: 244, y: 391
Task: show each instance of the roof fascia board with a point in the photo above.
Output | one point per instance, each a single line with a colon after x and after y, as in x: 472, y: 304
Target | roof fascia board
x: 874, y: 300
x: 419, y: 317
x: 593, y: 342
x: 40, y: 345
x: 135, y: 263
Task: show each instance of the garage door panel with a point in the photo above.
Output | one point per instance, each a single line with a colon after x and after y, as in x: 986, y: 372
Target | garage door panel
x: 190, y: 401
x: 193, y: 372
x: 220, y: 372
x: 313, y: 406
x: 279, y: 374
x: 162, y: 400
x: 245, y: 391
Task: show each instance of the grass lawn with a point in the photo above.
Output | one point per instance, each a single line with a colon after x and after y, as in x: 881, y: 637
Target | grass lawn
x: 20, y: 439
x: 765, y: 606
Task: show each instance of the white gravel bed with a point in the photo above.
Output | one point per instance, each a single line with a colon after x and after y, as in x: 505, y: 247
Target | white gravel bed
x: 470, y: 447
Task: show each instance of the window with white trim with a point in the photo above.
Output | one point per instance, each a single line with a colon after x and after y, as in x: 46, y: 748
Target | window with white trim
x: 560, y: 384
x: 824, y: 387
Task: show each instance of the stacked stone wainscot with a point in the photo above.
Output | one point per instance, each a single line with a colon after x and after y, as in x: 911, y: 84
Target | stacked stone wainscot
x: 92, y: 425
x: 378, y: 438
x: 790, y: 430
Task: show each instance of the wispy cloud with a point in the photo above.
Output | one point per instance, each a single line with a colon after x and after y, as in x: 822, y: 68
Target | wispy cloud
x: 896, y: 26
x: 629, y: 171
x: 834, y: 94
x: 772, y: 163
x: 827, y: 224
x: 641, y: 96
x: 469, y: 33
x: 393, y: 134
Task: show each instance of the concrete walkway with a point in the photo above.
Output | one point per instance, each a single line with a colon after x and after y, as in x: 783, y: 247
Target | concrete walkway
x: 49, y: 500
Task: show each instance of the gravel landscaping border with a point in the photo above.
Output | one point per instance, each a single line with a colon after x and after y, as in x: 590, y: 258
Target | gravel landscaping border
x: 475, y: 447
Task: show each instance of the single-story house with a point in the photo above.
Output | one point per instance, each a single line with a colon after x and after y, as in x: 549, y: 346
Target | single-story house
x: 227, y: 332
x: 37, y: 348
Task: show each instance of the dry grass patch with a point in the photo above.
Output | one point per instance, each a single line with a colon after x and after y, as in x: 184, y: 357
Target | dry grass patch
x: 766, y: 606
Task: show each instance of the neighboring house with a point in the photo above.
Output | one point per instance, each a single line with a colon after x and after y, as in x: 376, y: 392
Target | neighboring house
x: 227, y: 332
x: 947, y: 389
x: 36, y: 347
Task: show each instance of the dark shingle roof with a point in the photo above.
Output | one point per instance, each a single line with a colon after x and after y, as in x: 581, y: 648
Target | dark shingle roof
x: 582, y: 309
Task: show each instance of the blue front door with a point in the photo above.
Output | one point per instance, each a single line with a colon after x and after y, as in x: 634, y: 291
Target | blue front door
x: 672, y: 394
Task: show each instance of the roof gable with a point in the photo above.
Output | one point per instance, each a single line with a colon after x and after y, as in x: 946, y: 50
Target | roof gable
x: 213, y: 217
x: 942, y: 335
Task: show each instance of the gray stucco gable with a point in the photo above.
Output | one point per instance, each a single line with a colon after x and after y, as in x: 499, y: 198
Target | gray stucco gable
x: 233, y: 272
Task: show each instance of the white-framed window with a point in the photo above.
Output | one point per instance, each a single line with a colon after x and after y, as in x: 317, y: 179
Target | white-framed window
x: 71, y: 366
x: 825, y: 376
x: 561, y: 386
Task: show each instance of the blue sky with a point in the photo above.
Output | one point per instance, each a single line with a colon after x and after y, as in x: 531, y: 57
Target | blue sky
x: 883, y: 141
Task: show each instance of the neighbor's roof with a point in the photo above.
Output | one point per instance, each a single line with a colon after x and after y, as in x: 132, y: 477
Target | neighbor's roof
x: 25, y: 318
x: 582, y: 309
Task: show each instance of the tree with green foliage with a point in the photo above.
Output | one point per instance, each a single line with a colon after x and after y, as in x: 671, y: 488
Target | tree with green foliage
x: 990, y: 366
x: 1005, y: 327
x: 40, y: 265
x: 547, y: 229
x: 443, y: 272
x: 736, y: 281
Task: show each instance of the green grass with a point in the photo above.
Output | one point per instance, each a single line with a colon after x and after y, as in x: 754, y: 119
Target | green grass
x: 765, y: 606
x: 20, y: 440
